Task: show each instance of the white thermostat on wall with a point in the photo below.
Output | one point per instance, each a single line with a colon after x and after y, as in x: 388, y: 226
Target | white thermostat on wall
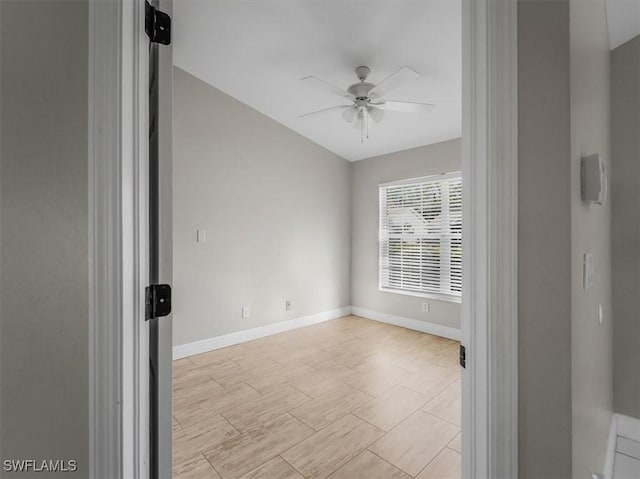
x: 593, y: 180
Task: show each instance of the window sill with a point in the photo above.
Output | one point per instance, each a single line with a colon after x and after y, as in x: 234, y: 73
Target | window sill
x: 436, y: 296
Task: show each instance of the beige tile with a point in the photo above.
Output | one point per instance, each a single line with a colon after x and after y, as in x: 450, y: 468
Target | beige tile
x: 448, y: 404
x: 324, y: 381
x: 376, y: 359
x: 417, y: 359
x: 243, y: 370
x: 325, y: 409
x: 327, y: 450
x: 345, y: 355
x: 189, y: 378
x: 196, y: 467
x: 175, y: 426
x: 253, y: 382
x: 201, y: 436
x: 446, y: 465
x: 190, y: 394
x: 291, y: 371
x: 265, y: 347
x: 243, y: 453
x: 380, y: 379
x: 368, y: 465
x: 295, y: 354
x: 274, y: 469
x: 181, y: 366
x: 204, y: 405
x: 432, y: 380
x: 231, y: 352
x: 392, y: 407
x: 265, y: 408
x: 456, y: 443
x: 449, y: 359
x: 415, y: 442
x: 439, y: 345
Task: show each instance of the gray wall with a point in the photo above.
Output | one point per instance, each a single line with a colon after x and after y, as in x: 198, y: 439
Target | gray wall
x: 544, y: 240
x: 276, y: 208
x: 592, y: 342
x: 366, y: 176
x: 565, y: 354
x: 625, y: 204
x: 44, y: 224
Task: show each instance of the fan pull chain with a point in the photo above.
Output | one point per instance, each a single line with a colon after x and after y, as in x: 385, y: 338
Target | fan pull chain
x: 367, y: 115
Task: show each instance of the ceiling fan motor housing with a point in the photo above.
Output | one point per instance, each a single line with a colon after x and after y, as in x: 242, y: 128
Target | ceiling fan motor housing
x: 361, y: 90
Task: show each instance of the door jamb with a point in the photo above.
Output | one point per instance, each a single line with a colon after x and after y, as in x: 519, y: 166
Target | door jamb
x: 490, y: 304
x: 117, y: 156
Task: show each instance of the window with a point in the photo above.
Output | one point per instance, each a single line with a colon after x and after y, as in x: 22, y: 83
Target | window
x: 421, y: 236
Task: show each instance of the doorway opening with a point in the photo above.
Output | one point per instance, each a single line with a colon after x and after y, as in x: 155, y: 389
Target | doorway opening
x: 119, y: 191
x: 317, y: 240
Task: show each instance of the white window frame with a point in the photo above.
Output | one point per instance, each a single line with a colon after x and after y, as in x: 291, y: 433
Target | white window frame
x: 383, y: 236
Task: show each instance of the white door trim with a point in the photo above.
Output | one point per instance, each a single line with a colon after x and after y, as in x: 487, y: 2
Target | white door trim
x: 489, y: 308
x: 118, y: 359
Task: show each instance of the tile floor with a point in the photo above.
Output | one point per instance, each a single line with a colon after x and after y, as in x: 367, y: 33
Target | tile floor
x: 345, y: 399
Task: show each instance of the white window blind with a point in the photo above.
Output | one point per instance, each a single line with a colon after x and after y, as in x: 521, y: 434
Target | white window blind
x: 421, y: 236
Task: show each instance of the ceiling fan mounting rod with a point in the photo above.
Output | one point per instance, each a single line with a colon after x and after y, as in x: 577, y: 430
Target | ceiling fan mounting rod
x: 362, y: 72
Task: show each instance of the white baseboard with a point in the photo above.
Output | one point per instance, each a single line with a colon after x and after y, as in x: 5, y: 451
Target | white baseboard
x: 210, y: 344
x: 422, y: 326
x: 628, y: 427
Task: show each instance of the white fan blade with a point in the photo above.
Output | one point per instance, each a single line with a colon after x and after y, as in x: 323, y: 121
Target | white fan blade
x: 359, y: 120
x: 349, y: 114
x: 326, y: 110
x: 376, y: 113
x: 328, y: 87
x: 406, y: 106
x: 393, y: 81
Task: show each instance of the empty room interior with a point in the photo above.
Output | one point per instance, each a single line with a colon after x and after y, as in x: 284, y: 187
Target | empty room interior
x: 317, y: 200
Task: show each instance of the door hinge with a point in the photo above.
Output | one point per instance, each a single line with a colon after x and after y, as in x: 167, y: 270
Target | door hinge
x: 158, y: 301
x: 157, y: 24
x: 463, y: 356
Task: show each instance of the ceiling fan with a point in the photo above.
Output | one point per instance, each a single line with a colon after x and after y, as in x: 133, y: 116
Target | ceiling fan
x: 368, y: 101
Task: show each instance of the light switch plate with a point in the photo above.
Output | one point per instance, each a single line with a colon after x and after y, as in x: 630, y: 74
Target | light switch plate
x: 587, y: 271
x: 201, y: 236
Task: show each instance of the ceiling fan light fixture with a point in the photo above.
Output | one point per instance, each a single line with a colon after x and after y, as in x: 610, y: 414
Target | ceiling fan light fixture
x: 349, y: 114
x: 375, y: 113
x: 368, y: 100
x: 359, y: 120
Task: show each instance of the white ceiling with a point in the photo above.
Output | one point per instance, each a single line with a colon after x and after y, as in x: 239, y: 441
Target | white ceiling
x: 257, y: 51
x: 623, y: 17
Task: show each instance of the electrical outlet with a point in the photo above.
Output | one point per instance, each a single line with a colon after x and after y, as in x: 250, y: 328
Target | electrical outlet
x: 425, y: 307
x: 287, y: 305
x: 246, y: 312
